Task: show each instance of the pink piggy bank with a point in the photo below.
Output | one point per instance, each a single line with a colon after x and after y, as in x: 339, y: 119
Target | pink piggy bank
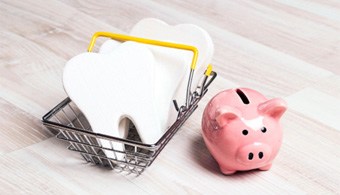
x: 241, y: 129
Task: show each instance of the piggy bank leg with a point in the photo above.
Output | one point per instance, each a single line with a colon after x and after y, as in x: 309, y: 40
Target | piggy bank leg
x: 266, y: 168
x: 226, y: 171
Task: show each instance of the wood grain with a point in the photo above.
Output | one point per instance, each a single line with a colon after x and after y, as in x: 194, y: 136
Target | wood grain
x: 282, y: 48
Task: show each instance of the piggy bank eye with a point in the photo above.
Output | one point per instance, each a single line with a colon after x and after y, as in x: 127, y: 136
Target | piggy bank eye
x: 245, y: 132
x: 264, y: 129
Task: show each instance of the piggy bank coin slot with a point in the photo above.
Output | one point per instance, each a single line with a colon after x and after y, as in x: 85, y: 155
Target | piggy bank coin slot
x: 243, y: 96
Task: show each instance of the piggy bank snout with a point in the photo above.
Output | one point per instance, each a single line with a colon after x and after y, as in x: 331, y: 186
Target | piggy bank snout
x: 254, y: 154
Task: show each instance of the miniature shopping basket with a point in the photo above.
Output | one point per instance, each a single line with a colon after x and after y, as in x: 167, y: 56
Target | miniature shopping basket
x: 71, y: 125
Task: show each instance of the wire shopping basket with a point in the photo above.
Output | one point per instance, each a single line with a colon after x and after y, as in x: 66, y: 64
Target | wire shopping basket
x: 72, y: 126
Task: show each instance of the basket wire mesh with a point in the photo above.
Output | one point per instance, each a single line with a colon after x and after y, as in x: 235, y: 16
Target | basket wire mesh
x: 70, y: 125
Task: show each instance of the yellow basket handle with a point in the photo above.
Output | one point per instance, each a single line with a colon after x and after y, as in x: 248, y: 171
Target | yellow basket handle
x: 121, y: 37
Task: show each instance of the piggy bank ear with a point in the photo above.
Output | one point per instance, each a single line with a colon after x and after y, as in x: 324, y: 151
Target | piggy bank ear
x: 225, y: 115
x: 273, y: 108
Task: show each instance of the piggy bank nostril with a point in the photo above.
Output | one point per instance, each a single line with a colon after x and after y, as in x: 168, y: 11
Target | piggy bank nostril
x: 250, y: 156
x: 260, y: 155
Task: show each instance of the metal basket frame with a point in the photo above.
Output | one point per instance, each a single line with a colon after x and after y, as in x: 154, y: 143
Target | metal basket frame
x: 72, y: 126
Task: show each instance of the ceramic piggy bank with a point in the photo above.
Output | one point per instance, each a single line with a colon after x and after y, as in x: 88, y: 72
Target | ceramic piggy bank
x: 241, y: 129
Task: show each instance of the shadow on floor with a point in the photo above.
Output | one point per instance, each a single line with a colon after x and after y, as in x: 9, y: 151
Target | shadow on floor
x: 203, y: 157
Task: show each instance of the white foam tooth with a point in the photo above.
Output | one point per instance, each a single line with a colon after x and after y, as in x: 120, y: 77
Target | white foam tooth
x: 108, y: 46
x: 113, y: 86
x: 124, y: 125
x: 173, y: 66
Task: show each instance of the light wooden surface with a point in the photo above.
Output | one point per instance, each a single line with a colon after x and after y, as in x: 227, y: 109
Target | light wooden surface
x: 283, y: 48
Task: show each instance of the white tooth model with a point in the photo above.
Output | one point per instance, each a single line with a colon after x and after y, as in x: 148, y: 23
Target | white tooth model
x: 172, y: 66
x: 109, y: 87
x: 137, y: 81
